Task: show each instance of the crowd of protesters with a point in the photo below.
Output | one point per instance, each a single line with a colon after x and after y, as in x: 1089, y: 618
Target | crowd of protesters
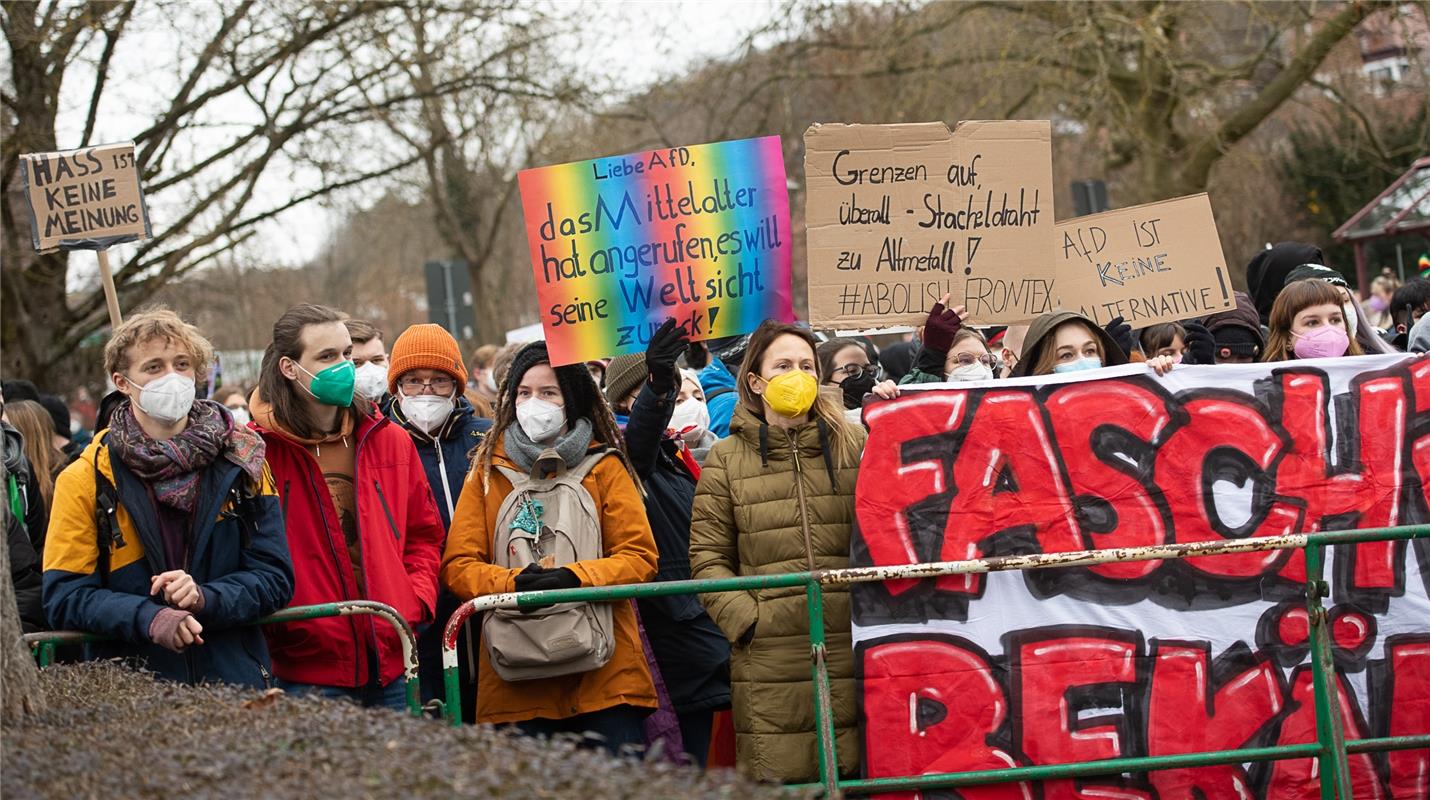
x: 412, y: 476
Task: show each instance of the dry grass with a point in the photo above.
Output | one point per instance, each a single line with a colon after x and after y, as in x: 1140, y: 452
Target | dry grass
x: 115, y: 733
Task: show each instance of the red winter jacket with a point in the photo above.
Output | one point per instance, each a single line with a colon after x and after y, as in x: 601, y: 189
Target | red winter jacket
x: 402, y: 538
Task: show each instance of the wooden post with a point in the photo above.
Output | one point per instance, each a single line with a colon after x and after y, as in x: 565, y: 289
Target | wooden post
x: 1361, y: 285
x: 111, y: 296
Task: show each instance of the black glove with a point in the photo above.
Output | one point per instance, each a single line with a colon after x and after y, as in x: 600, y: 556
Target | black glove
x: 536, y: 578
x: 665, y: 347
x: 1201, y: 345
x: 1121, y: 333
x: 939, y: 330
x: 698, y: 356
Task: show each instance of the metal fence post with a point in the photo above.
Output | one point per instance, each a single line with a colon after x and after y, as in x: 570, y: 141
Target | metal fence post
x: 823, y: 697
x: 451, y: 674
x: 1330, y: 732
x: 44, y: 643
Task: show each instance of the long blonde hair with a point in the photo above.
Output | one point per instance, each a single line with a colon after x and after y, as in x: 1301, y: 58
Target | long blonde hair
x: 827, y: 407
x: 1048, y: 355
x: 34, y: 424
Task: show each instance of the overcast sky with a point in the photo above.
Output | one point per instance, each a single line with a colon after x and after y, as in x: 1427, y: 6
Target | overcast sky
x: 658, y: 39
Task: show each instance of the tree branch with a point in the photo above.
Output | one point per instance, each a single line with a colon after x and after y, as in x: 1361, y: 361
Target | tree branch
x: 101, y: 73
x: 1204, y: 153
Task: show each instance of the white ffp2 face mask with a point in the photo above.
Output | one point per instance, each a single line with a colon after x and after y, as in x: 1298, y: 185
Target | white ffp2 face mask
x: 370, y: 380
x: 1352, y: 319
x: 167, y: 398
x: 427, y: 411
x: 539, y: 420
x: 977, y: 371
x: 241, y: 417
x: 690, y: 413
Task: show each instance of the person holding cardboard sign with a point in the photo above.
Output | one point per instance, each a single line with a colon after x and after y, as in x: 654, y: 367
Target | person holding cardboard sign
x: 1065, y: 341
x: 951, y: 350
x: 167, y: 534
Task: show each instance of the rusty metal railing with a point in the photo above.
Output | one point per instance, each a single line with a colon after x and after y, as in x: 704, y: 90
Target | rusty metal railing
x: 43, y: 643
x: 1331, y: 747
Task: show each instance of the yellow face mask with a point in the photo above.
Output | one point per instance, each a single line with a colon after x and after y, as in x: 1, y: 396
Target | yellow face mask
x: 791, y: 394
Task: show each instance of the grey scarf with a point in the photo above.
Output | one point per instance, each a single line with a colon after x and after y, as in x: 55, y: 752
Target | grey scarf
x: 571, y: 446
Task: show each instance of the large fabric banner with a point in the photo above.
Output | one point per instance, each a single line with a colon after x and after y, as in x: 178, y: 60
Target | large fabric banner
x: 1152, y: 658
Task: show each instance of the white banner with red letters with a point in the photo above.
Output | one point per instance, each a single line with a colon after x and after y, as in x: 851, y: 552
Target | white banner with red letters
x: 1153, y: 658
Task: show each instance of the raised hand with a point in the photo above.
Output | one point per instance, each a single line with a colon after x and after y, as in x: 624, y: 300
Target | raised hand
x: 666, y: 346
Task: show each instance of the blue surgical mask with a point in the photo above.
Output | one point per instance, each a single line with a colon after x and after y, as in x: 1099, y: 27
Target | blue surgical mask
x: 1090, y: 362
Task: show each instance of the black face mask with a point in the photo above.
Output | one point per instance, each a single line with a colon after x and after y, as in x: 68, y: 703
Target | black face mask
x: 856, y: 387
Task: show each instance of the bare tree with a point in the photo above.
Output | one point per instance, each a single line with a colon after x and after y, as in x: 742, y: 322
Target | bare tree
x: 1168, y: 88
x: 20, y: 692
x: 274, y: 105
x: 471, y: 143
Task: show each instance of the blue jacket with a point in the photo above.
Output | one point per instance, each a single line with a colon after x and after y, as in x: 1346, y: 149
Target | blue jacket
x: 716, y: 380
x: 445, y: 457
x: 693, y: 654
x: 241, y: 581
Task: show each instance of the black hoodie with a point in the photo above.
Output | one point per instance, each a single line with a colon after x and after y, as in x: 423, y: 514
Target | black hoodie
x: 1266, y: 272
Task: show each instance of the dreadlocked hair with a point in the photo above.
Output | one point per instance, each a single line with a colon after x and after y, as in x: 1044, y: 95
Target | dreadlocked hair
x: 579, y: 393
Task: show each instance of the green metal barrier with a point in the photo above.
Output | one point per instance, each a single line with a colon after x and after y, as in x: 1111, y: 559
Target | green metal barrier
x: 1331, y: 747
x: 44, y: 643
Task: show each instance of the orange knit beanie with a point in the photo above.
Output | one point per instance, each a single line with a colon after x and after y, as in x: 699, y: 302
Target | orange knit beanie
x: 427, y: 346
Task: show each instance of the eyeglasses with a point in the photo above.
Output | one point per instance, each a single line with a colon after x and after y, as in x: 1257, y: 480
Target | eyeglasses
x: 855, y: 371
x: 966, y: 359
x: 416, y: 385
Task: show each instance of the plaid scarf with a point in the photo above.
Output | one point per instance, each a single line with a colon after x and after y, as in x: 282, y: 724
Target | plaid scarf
x: 173, y: 467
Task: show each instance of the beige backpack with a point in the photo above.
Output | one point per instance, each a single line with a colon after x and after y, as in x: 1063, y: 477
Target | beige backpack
x: 552, y: 521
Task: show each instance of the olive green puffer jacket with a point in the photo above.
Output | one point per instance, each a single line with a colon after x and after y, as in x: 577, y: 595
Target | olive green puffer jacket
x: 766, y: 507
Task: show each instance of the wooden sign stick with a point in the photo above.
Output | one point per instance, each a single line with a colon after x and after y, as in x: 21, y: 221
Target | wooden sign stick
x: 111, y: 295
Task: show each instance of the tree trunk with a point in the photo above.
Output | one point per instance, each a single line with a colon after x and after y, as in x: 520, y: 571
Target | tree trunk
x: 20, y: 692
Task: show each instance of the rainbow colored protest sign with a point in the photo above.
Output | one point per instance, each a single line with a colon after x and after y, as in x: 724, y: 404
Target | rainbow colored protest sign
x: 620, y: 244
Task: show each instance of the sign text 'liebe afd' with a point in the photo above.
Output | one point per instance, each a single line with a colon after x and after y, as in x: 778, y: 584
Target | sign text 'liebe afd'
x: 899, y: 215
x: 620, y: 244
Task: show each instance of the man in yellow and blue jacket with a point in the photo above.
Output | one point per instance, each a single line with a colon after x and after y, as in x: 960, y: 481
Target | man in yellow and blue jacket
x: 167, y: 534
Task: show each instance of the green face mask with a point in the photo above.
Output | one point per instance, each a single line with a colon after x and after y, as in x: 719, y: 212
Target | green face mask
x: 333, y: 386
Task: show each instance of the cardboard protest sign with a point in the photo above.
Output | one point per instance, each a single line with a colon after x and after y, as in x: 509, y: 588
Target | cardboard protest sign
x: 898, y: 215
x: 1149, y: 658
x: 1161, y: 262
x: 86, y: 199
x: 620, y: 244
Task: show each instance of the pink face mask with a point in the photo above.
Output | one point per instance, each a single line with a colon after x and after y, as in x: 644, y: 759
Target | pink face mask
x: 1325, y: 341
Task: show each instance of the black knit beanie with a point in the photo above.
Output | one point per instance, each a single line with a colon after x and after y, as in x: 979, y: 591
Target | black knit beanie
x: 578, y: 390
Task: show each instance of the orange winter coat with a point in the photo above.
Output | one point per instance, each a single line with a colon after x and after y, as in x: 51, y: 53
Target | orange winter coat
x: 630, y: 557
